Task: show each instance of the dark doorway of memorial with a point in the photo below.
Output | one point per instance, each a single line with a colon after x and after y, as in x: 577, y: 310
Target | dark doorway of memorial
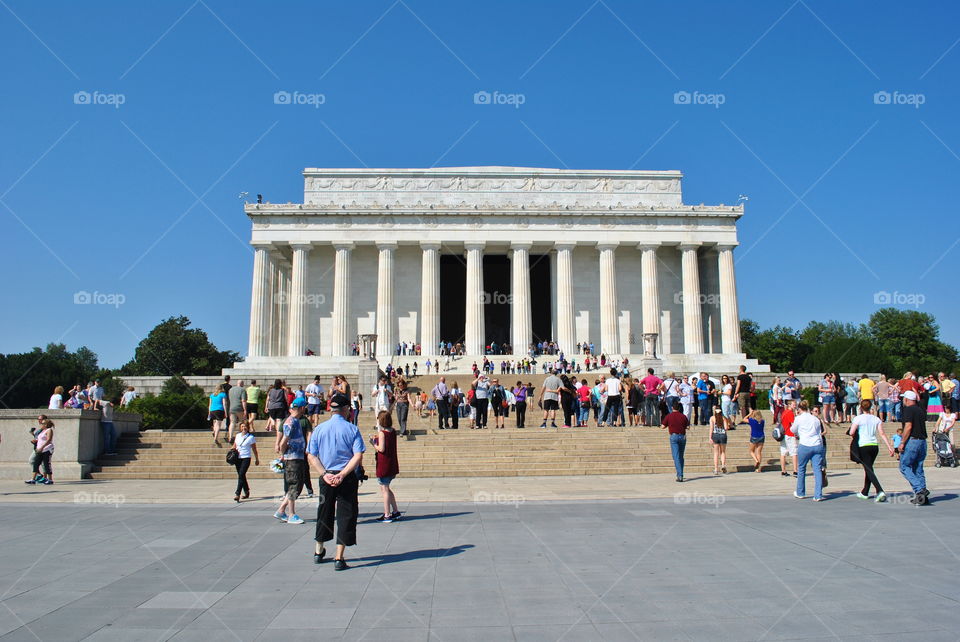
x: 540, y: 301
x: 453, y: 298
x: 496, y: 299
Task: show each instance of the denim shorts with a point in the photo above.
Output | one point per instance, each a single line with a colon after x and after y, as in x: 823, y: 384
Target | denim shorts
x: 385, y: 481
x: 727, y: 407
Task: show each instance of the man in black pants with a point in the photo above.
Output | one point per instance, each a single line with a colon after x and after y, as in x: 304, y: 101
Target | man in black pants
x: 441, y: 394
x: 335, y: 451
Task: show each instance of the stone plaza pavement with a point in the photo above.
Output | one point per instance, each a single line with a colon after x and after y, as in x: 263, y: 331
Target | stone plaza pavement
x: 733, y: 558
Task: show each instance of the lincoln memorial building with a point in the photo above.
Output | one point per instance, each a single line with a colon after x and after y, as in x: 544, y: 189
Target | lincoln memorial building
x: 505, y: 255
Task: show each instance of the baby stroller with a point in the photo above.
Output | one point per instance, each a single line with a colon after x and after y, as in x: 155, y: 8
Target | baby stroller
x: 944, y: 450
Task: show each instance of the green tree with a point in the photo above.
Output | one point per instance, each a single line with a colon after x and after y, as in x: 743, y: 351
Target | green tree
x: 818, y: 333
x: 27, y: 379
x: 846, y: 354
x: 174, y: 348
x: 779, y: 347
x: 911, y: 339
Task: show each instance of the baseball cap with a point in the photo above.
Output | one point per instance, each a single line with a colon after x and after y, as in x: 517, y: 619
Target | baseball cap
x: 339, y: 401
x: 910, y: 394
x: 299, y: 402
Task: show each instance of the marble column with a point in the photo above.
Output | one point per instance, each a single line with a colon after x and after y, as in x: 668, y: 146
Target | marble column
x: 692, y: 313
x: 281, y: 296
x: 475, y: 331
x: 566, y: 331
x: 521, y: 321
x: 386, y: 309
x: 609, y: 326
x: 430, y: 299
x: 340, y: 332
x: 650, y: 290
x: 297, y: 300
x: 260, y: 301
x: 729, y: 311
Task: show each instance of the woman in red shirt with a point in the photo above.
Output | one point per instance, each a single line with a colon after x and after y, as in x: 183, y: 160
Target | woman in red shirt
x: 388, y: 467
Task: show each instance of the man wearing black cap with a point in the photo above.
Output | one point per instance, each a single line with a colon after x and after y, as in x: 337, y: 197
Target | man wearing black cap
x: 336, y: 450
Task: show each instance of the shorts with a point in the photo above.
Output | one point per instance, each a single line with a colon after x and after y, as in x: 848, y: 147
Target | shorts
x: 757, y: 440
x: 884, y: 405
x: 252, y: 408
x: 727, y: 407
x: 498, y: 409
x: 313, y: 409
x: 826, y: 399
x: 217, y: 415
x: 294, y: 477
x: 551, y: 404
x: 718, y: 438
x: 789, y: 446
x: 385, y: 481
x: 744, y: 399
x: 277, y: 413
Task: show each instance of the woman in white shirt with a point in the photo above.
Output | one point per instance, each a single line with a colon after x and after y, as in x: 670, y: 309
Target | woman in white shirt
x: 246, y: 446
x: 866, y: 427
x: 56, y: 399
x: 808, y: 430
x: 945, y: 423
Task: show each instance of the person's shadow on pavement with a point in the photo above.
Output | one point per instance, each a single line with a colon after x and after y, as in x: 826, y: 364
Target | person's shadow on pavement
x: 427, y: 553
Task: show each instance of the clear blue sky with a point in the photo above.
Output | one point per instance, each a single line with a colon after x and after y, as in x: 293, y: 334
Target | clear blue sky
x: 103, y: 198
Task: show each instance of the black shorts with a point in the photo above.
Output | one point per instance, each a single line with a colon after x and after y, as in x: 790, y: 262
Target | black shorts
x: 277, y: 413
x: 498, y: 409
x: 340, y: 503
x: 294, y: 477
x: 551, y: 404
x: 719, y: 438
x: 217, y: 415
x: 757, y: 440
x: 252, y: 408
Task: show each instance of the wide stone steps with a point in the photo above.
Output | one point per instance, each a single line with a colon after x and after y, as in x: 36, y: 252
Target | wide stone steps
x: 462, y: 453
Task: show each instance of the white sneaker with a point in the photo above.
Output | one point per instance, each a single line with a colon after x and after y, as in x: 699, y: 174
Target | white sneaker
x: 862, y: 496
x: 799, y: 496
x: 882, y: 497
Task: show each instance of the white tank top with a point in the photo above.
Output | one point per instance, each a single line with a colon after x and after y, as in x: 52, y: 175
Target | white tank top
x: 867, y: 429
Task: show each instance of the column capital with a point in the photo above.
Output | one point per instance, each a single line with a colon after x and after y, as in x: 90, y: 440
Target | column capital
x: 386, y: 245
x: 564, y: 245
x: 344, y: 245
x: 722, y: 247
x: 262, y: 245
x: 430, y: 245
x: 301, y: 245
x: 612, y: 245
x: 474, y: 245
x: 520, y: 245
x: 690, y: 245
x: 649, y: 245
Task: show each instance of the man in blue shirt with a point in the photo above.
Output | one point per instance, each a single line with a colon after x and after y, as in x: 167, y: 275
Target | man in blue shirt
x: 704, y: 398
x: 336, y: 450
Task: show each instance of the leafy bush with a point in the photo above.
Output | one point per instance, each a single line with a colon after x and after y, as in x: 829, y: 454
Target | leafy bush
x: 177, y: 385
x: 173, y: 411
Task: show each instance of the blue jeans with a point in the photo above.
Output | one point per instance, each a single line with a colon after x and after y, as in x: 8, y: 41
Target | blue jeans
x: 678, y: 443
x: 806, y: 455
x: 911, y: 463
x: 109, y: 437
x: 584, y: 414
x: 669, y: 401
x: 704, y: 411
x: 651, y: 410
x: 612, y: 409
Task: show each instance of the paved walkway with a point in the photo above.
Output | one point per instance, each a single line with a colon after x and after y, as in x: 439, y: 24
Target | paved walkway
x: 469, y: 489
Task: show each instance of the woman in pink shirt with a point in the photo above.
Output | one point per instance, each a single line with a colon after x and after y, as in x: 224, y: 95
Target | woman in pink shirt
x: 44, y: 449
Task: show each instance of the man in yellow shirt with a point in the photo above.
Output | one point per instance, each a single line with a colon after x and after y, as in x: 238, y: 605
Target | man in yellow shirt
x: 947, y: 386
x: 866, y: 389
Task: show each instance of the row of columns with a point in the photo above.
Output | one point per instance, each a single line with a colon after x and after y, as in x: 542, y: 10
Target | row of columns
x: 280, y: 298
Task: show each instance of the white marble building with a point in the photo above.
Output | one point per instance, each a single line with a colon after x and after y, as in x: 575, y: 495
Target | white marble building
x: 482, y: 254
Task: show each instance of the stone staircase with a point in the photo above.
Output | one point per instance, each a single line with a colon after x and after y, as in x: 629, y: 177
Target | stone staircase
x: 465, y: 453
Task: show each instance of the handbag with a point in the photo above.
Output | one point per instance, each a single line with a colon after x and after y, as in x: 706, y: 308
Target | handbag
x: 233, y: 457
